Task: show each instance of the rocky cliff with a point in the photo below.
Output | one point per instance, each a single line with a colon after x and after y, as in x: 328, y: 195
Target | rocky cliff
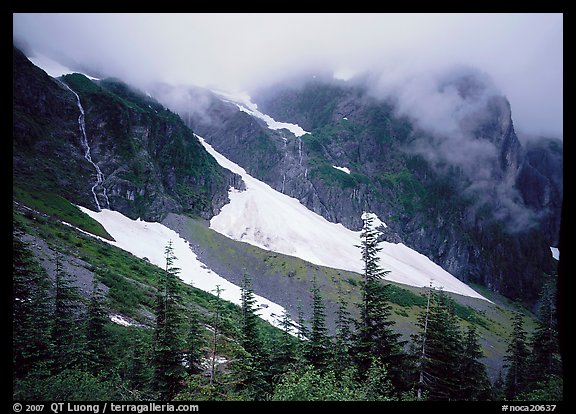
x: 150, y: 163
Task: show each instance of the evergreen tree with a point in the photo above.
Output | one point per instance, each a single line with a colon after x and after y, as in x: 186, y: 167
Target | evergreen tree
x: 303, y: 335
x: 475, y: 384
x: 341, y: 358
x: 253, y: 366
x: 285, y: 354
x: 168, y: 357
x: 374, y: 336
x: 545, y: 373
x: 317, y: 346
x: 138, y: 373
x: 31, y: 314
x: 419, y: 346
x: 498, y: 388
x: 215, y: 332
x: 250, y: 340
x: 439, y: 348
x: 516, y: 360
x: 67, y: 337
x: 97, y: 340
x: 194, y: 343
x: 545, y: 358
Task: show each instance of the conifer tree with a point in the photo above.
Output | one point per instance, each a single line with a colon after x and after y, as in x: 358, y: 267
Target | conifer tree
x: 341, y: 359
x: 249, y: 330
x: 285, y: 354
x: 474, y: 384
x: 317, y: 346
x: 194, y: 343
x: 498, y: 387
x: 374, y: 336
x: 215, y: 332
x: 545, y: 381
x: 252, y: 362
x: 545, y: 356
x: 440, y: 354
x: 67, y: 337
x: 138, y: 372
x: 420, y: 341
x: 97, y: 340
x: 516, y: 359
x: 168, y: 357
x: 31, y: 314
x: 303, y: 335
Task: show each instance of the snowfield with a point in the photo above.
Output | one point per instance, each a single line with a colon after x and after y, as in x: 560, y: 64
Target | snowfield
x: 148, y: 240
x: 274, y: 221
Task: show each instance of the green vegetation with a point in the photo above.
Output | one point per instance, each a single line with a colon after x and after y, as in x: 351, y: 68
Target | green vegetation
x: 406, y: 190
x: 58, y: 207
x: 140, y: 146
x: 128, y: 356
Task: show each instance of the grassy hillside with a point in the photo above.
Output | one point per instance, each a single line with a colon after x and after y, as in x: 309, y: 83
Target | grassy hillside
x: 285, y: 280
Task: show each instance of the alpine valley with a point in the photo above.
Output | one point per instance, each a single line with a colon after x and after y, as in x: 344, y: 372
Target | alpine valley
x: 264, y: 200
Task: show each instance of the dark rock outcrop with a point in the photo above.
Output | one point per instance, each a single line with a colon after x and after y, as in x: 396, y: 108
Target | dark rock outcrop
x: 151, y: 161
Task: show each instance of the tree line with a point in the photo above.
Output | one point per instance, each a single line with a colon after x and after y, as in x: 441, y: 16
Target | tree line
x: 65, y: 347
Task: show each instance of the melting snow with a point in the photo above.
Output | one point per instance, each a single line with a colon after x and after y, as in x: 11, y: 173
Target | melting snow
x: 271, y: 220
x: 555, y: 252
x: 149, y: 239
x: 344, y: 169
x: 120, y: 320
x: 243, y: 102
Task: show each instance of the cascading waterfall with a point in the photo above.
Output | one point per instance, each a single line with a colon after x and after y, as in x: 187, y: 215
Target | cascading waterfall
x: 87, y: 156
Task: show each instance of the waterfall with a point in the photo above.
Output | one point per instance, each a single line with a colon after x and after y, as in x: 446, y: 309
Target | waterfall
x: 87, y: 156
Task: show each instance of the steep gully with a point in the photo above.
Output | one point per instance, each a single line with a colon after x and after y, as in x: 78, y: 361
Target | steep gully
x: 87, y: 153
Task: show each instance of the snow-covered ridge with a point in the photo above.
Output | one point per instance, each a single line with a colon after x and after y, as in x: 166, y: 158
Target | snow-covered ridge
x: 274, y: 221
x: 244, y: 103
x: 149, y: 240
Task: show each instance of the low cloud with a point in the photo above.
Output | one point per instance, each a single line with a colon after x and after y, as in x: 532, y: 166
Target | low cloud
x: 462, y: 121
x: 523, y: 53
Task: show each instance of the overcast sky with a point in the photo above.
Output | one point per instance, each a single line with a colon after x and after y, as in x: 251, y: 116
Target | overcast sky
x: 522, y: 53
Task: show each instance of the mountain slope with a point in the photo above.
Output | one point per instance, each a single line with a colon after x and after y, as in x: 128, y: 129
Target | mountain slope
x: 266, y: 218
x: 457, y: 197
x: 150, y: 162
x: 129, y: 281
x: 155, y: 168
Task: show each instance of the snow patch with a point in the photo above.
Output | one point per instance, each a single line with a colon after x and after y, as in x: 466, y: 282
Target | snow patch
x: 120, y: 320
x: 555, y: 252
x: 344, y: 169
x: 243, y: 101
x: 376, y: 222
x: 149, y: 240
x: 274, y: 221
